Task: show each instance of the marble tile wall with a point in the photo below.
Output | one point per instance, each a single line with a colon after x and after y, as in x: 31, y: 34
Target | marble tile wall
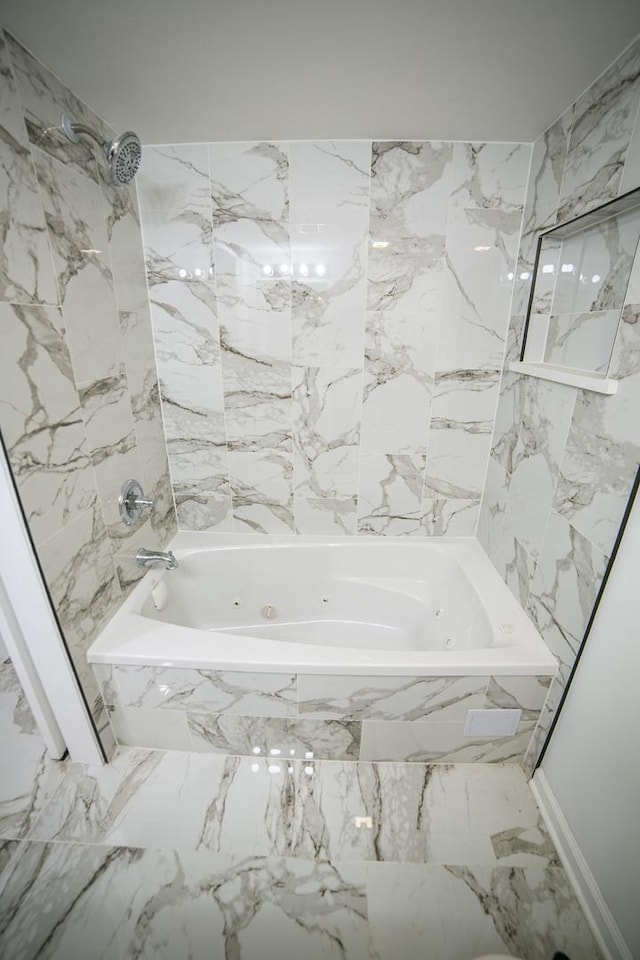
x: 317, y: 717
x: 563, y: 460
x: 79, y: 404
x: 330, y: 321
x: 591, y: 275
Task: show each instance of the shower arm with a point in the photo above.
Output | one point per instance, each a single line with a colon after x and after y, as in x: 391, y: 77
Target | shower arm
x: 81, y: 128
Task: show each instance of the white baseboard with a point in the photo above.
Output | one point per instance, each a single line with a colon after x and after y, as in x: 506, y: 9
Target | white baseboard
x: 598, y: 915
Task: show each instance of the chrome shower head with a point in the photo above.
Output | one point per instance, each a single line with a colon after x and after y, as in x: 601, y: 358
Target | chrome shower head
x: 123, y: 155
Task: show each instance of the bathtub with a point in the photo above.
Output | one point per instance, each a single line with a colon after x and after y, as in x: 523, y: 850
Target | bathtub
x: 294, y: 632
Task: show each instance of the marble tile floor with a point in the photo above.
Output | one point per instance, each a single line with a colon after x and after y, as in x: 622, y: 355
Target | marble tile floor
x: 176, y: 855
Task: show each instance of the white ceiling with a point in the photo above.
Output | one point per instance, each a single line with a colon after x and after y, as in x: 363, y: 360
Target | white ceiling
x: 195, y: 70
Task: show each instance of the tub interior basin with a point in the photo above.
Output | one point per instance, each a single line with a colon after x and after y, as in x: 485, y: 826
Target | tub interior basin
x: 365, y: 613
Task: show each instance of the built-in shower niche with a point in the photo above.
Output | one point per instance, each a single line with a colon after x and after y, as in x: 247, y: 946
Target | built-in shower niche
x: 581, y: 274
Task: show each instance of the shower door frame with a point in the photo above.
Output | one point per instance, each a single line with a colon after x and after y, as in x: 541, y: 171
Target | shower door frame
x: 33, y: 639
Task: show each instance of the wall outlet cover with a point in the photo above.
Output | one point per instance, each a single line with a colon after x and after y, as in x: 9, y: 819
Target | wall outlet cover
x: 492, y: 723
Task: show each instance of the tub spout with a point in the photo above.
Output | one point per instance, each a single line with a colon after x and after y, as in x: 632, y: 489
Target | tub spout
x: 146, y: 558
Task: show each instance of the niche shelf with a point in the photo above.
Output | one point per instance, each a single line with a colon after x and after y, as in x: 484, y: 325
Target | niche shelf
x: 581, y: 275
x: 567, y: 375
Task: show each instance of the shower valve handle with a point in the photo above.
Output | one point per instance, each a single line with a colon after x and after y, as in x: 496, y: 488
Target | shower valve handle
x: 132, y: 502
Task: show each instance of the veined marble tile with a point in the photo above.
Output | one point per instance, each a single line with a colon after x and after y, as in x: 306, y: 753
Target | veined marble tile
x: 164, y: 729
x: 509, y: 557
x: 253, y: 268
x: 211, y: 691
x: 29, y: 781
x: 548, y: 277
x: 465, y: 395
x: 90, y: 798
x: 460, y: 437
x: 259, y: 326
x: 41, y: 419
x: 506, y: 423
x: 523, y: 275
x: 328, y: 173
x: 198, y: 508
x: 108, y: 422
x: 518, y: 693
x: 398, y: 381
x: 252, y: 516
x: 15, y: 713
x: 188, y: 361
x: 328, y: 313
x: 565, y: 587
x: 44, y: 99
x: 519, y: 570
x: 633, y: 290
x: 582, y: 340
x: 318, y: 516
x: 631, y: 175
x: 330, y: 798
x: 544, y: 415
x: 196, y: 443
x: 249, y: 181
x: 26, y: 269
x: 545, y: 177
x: 491, y: 801
x: 228, y: 805
x: 405, y: 276
x: 492, y: 525
x: 164, y: 904
x: 257, y: 397
x: 457, y: 461
x: 80, y: 573
x: 449, y: 517
x: 549, y: 710
x: 144, y: 391
x: 481, y: 252
x: 602, y: 451
x: 601, y: 131
x: 439, y: 742
x: 125, y: 247
x: 490, y: 175
x: 327, y: 404
x: 262, y: 490
x: 468, y: 911
x: 282, y: 739
x: 75, y: 212
x: 187, y: 344
x: 7, y: 850
x: 410, y: 184
x: 419, y: 812
x: 261, y: 806
x: 163, y: 518
x: 174, y: 177
x: 329, y: 217
x: 390, y: 496
x: 179, y: 245
x: 595, y: 266
x: 388, y: 698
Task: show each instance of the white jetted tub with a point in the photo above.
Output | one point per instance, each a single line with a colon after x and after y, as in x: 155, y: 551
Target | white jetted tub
x: 340, y: 649
x: 361, y: 606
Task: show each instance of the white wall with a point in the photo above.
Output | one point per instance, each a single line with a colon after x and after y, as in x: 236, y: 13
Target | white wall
x: 442, y: 70
x: 592, y: 764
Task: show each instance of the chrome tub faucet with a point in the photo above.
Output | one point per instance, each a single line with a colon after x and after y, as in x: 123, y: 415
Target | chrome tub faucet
x: 146, y: 558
